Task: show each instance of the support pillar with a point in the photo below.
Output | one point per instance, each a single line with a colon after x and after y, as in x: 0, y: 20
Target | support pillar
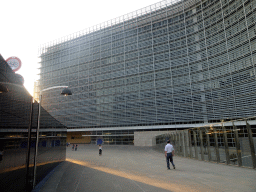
x: 216, y: 146
x: 195, y: 145
x: 201, y: 144
x: 186, y: 143
x: 238, y: 147
x: 249, y: 130
x: 183, y: 143
x: 226, y: 144
x: 208, y: 147
x: 190, y: 144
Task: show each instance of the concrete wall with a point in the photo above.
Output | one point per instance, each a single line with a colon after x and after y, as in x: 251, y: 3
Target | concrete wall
x: 147, y: 138
x: 76, y: 137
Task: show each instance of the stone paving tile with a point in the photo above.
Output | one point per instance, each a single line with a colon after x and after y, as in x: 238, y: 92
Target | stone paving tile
x: 131, y: 168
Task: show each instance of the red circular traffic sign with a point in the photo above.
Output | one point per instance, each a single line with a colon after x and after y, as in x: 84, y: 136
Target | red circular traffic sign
x: 14, y: 63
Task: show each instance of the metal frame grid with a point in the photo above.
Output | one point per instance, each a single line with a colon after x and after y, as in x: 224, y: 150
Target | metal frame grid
x: 173, y: 62
x: 228, y: 142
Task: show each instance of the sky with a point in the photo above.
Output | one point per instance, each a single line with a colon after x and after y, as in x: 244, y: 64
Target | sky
x: 27, y: 24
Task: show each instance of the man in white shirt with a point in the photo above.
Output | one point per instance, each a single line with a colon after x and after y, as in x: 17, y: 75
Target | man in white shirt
x: 169, y: 153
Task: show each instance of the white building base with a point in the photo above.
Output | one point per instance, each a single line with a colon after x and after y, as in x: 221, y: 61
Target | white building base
x: 147, y: 138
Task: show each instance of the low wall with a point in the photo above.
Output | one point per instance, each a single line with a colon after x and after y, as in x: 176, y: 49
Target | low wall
x: 227, y: 145
x: 147, y: 138
x: 77, y: 137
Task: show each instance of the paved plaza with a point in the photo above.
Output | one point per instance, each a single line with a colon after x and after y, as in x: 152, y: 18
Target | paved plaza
x: 131, y: 168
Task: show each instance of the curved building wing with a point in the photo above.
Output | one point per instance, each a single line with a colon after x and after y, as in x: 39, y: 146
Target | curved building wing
x: 174, y: 62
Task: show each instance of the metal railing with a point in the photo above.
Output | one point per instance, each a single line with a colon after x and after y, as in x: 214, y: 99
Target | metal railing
x: 231, y: 142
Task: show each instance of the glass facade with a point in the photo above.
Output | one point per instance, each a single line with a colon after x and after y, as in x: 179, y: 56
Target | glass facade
x: 18, y: 123
x: 174, y: 62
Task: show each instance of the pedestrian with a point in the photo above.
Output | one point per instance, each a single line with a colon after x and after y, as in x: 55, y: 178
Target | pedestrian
x: 169, y: 153
x: 100, y: 150
x: 73, y: 146
x: 76, y: 147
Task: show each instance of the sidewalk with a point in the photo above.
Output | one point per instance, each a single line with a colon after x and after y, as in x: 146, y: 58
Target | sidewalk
x: 130, y: 168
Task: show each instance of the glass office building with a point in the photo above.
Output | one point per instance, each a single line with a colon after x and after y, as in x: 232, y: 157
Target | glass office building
x: 180, y: 63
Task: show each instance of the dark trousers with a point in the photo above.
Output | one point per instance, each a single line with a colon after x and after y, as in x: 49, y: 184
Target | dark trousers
x: 169, y: 158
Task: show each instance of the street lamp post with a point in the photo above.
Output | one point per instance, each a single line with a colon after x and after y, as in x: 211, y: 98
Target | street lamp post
x: 64, y: 92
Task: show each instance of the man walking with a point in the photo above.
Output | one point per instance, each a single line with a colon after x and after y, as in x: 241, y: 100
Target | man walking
x: 169, y: 153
